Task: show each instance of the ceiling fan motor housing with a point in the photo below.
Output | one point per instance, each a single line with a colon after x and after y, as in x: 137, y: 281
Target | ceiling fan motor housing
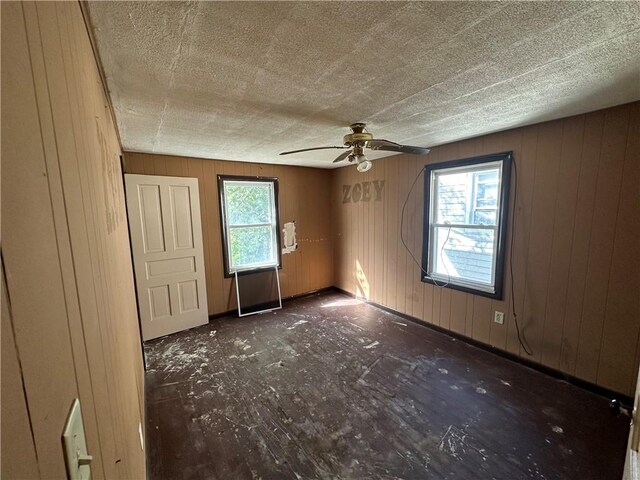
x: 358, y: 136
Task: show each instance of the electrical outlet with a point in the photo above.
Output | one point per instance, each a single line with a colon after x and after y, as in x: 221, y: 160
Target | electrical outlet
x: 498, y: 317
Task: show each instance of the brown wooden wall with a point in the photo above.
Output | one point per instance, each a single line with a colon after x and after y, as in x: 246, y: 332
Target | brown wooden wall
x: 69, y: 320
x: 576, y: 251
x: 304, y: 197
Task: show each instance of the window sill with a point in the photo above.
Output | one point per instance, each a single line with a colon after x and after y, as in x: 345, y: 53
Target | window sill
x: 497, y: 295
x: 250, y: 271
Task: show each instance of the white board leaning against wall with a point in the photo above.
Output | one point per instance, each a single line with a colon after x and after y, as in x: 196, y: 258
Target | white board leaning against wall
x: 168, y: 258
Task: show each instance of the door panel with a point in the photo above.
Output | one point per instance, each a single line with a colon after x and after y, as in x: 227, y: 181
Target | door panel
x: 181, y: 217
x: 632, y: 462
x: 149, y: 204
x: 166, y: 236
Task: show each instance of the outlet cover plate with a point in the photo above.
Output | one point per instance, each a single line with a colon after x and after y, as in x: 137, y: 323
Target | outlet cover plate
x: 498, y: 317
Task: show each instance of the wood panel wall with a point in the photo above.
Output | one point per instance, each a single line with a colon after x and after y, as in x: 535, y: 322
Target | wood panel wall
x: 69, y: 320
x: 304, y: 197
x: 576, y: 261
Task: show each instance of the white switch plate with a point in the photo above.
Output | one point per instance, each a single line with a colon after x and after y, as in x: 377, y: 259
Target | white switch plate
x: 498, y: 317
x: 75, y: 445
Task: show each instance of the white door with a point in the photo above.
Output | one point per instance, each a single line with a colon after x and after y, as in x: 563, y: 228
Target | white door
x: 632, y: 463
x: 168, y: 259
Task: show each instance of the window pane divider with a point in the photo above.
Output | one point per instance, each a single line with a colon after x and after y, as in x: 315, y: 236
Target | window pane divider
x: 247, y: 225
x: 465, y: 225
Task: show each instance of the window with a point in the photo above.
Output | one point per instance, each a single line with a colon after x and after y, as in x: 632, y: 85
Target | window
x: 249, y: 218
x: 466, y: 204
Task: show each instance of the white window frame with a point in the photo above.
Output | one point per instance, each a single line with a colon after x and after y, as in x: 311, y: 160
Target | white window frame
x: 431, y: 249
x: 230, y: 268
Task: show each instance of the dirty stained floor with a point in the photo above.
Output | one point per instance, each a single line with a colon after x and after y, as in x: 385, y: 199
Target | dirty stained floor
x: 330, y: 388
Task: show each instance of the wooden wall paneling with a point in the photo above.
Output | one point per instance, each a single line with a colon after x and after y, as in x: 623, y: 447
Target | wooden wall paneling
x: 173, y: 168
x: 315, y: 209
x: 586, y: 196
x: 197, y: 170
x: 384, y: 260
x: 211, y: 237
x: 19, y: 458
x: 56, y: 109
x: 328, y: 250
x: 343, y: 249
x: 306, y: 222
x: 29, y: 233
x: 350, y: 230
x: 318, y: 266
x: 565, y: 208
x: 293, y: 216
x: 134, y: 165
x: 418, y: 285
x: 63, y: 105
x: 371, y: 232
x: 284, y: 218
x: 149, y: 166
x: 392, y: 231
x: 414, y: 207
x: 495, y: 143
x: 525, y: 162
x: 357, y: 230
x: 307, y: 211
x: 160, y: 167
x: 350, y: 235
x: 365, y: 240
x: 622, y: 310
x: 91, y: 178
x: 322, y: 228
x: 81, y: 214
x: 336, y: 226
x: 338, y: 221
x: 403, y: 180
x: 541, y: 233
x: 312, y: 211
x: 345, y: 240
x: 614, y: 139
x: 300, y: 189
x: 411, y: 233
x: 376, y: 222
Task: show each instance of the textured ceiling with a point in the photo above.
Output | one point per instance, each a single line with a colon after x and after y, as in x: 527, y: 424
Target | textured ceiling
x: 247, y: 80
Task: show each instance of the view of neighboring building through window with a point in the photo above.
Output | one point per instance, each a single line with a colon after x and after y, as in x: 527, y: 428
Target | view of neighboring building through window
x: 464, y: 239
x: 250, y: 223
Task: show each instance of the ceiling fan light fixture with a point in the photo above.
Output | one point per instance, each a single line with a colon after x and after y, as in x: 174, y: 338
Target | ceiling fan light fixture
x: 363, y: 165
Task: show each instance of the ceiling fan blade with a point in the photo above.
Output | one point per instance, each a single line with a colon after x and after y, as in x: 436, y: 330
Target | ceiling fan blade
x: 342, y: 156
x: 389, y: 146
x: 308, y: 149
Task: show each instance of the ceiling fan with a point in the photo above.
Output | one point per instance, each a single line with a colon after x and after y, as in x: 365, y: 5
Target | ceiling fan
x: 355, y: 143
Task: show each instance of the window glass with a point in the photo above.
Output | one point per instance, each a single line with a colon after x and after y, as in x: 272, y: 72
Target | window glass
x: 464, y: 223
x: 467, y: 253
x: 248, y: 203
x: 251, y: 246
x: 250, y: 227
